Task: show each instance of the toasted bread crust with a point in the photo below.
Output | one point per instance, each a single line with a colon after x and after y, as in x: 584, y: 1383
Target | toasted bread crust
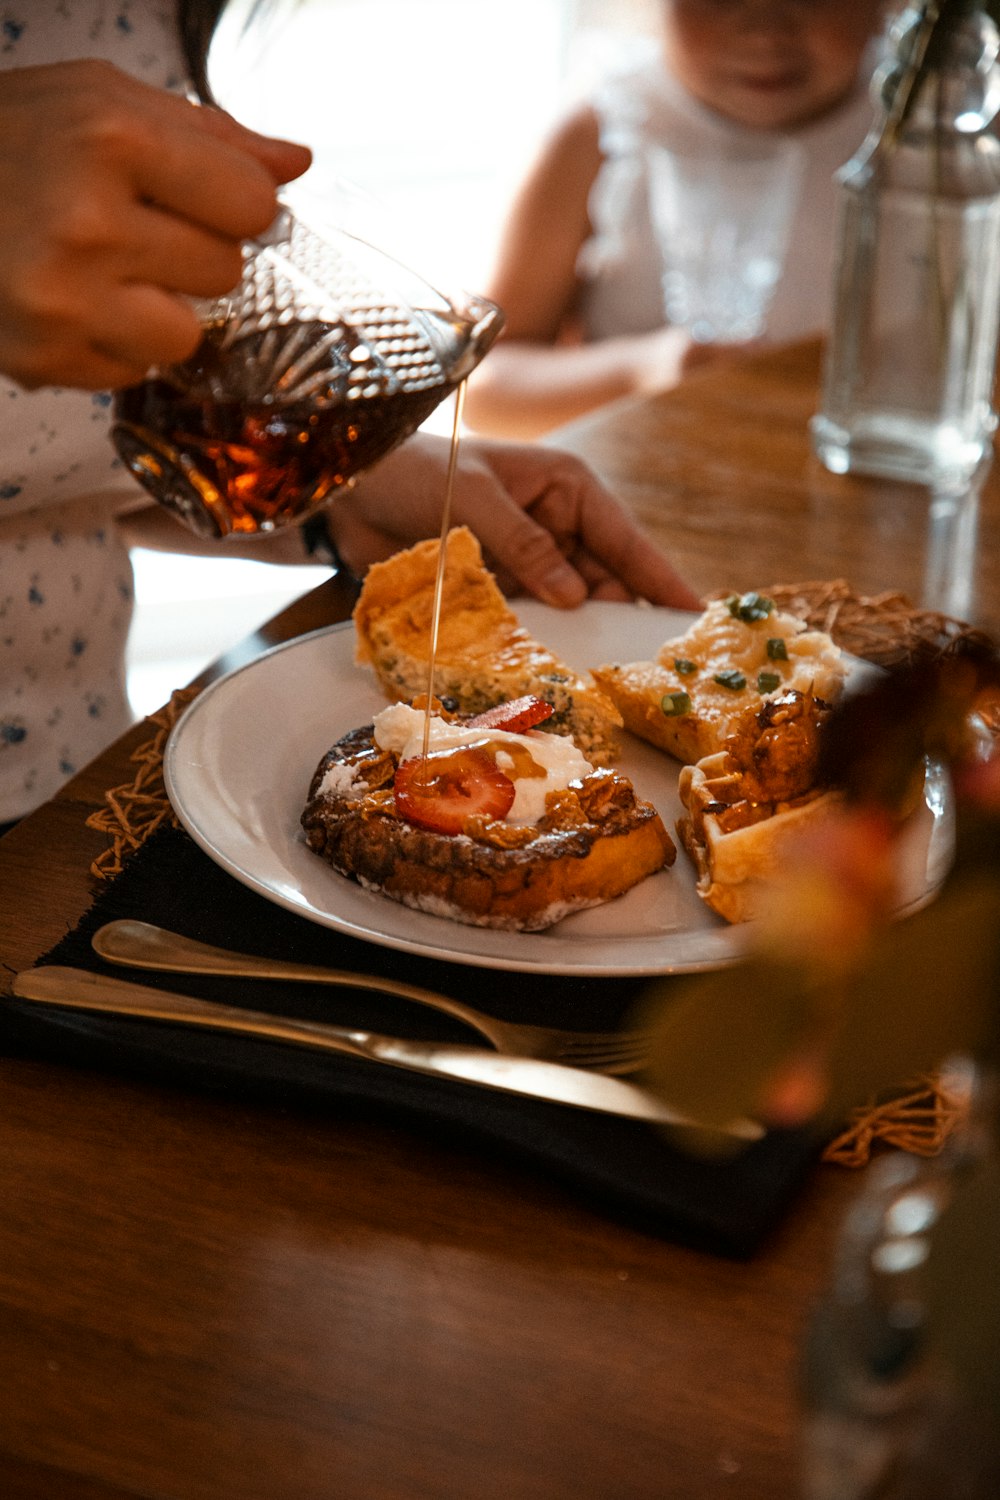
x: 637, y: 690
x: 596, y: 843
x: 484, y: 656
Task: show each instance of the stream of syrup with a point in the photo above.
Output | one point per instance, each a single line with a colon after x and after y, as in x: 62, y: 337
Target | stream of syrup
x: 442, y: 558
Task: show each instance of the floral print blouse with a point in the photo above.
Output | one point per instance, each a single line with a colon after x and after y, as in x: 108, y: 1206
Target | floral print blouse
x: 65, y: 575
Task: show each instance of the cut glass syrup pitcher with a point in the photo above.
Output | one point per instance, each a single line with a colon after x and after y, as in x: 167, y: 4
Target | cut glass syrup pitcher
x: 326, y: 356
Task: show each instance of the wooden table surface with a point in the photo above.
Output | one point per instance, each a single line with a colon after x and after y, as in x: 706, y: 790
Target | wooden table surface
x: 722, y: 473
x: 209, y: 1300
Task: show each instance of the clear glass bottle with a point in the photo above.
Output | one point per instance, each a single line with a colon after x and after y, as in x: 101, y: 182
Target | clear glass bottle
x: 884, y: 1416
x: 911, y: 357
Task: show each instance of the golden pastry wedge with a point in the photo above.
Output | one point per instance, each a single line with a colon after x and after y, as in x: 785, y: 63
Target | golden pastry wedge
x: 735, y: 866
x: 484, y: 656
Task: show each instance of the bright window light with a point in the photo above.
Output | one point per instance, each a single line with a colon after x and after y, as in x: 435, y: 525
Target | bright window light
x: 420, y: 113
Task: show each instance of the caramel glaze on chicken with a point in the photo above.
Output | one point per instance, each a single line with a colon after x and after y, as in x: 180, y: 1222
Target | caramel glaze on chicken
x: 774, y: 757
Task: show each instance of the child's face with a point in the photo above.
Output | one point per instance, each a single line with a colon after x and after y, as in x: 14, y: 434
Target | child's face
x: 768, y: 64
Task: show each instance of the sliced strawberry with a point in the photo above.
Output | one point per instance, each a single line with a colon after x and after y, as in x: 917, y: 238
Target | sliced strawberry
x: 441, y: 791
x: 514, y: 717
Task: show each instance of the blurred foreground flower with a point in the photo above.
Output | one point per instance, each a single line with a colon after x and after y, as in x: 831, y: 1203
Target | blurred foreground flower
x: 835, y: 1002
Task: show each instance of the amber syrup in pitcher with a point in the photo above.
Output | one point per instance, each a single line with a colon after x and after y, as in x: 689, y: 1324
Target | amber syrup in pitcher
x: 233, y: 465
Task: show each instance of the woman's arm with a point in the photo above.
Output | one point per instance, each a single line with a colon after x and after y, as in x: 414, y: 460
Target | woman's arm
x: 524, y: 390
x: 546, y: 524
x: 540, y: 374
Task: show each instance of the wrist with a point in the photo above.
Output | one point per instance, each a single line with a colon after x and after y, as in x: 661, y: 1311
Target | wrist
x: 320, y: 544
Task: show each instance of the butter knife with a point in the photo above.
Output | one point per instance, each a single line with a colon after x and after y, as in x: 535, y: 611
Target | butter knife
x: 81, y: 989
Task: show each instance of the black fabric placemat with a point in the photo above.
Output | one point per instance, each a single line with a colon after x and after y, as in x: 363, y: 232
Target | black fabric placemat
x: 623, y: 1167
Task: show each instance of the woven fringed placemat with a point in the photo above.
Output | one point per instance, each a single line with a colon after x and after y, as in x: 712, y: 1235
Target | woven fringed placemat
x: 886, y: 629
x: 919, y: 1119
x: 133, y: 811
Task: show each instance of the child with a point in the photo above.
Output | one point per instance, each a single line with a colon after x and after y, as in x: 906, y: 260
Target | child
x: 579, y: 268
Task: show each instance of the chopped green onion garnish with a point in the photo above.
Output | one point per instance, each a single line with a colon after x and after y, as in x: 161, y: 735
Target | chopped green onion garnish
x: 749, y: 607
x: 734, y: 681
x: 768, y: 681
x: 776, y: 649
x: 685, y: 668
x: 676, y: 703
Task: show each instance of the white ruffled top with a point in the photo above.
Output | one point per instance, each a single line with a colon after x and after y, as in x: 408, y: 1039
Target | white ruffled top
x: 639, y: 105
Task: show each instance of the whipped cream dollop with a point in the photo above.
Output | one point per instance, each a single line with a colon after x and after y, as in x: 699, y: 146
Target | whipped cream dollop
x: 400, y: 729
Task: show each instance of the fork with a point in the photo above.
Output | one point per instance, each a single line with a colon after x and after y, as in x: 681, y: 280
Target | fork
x: 141, y: 945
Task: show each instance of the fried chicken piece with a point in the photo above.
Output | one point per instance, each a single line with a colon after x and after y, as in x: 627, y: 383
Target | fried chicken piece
x: 775, y: 751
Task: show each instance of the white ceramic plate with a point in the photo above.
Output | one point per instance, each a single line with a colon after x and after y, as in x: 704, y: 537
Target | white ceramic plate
x: 239, y: 763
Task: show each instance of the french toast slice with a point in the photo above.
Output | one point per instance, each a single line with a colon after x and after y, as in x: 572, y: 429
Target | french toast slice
x: 484, y: 656
x: 595, y: 841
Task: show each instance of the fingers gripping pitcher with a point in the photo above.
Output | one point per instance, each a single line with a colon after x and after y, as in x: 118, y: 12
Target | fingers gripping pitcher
x: 326, y: 356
